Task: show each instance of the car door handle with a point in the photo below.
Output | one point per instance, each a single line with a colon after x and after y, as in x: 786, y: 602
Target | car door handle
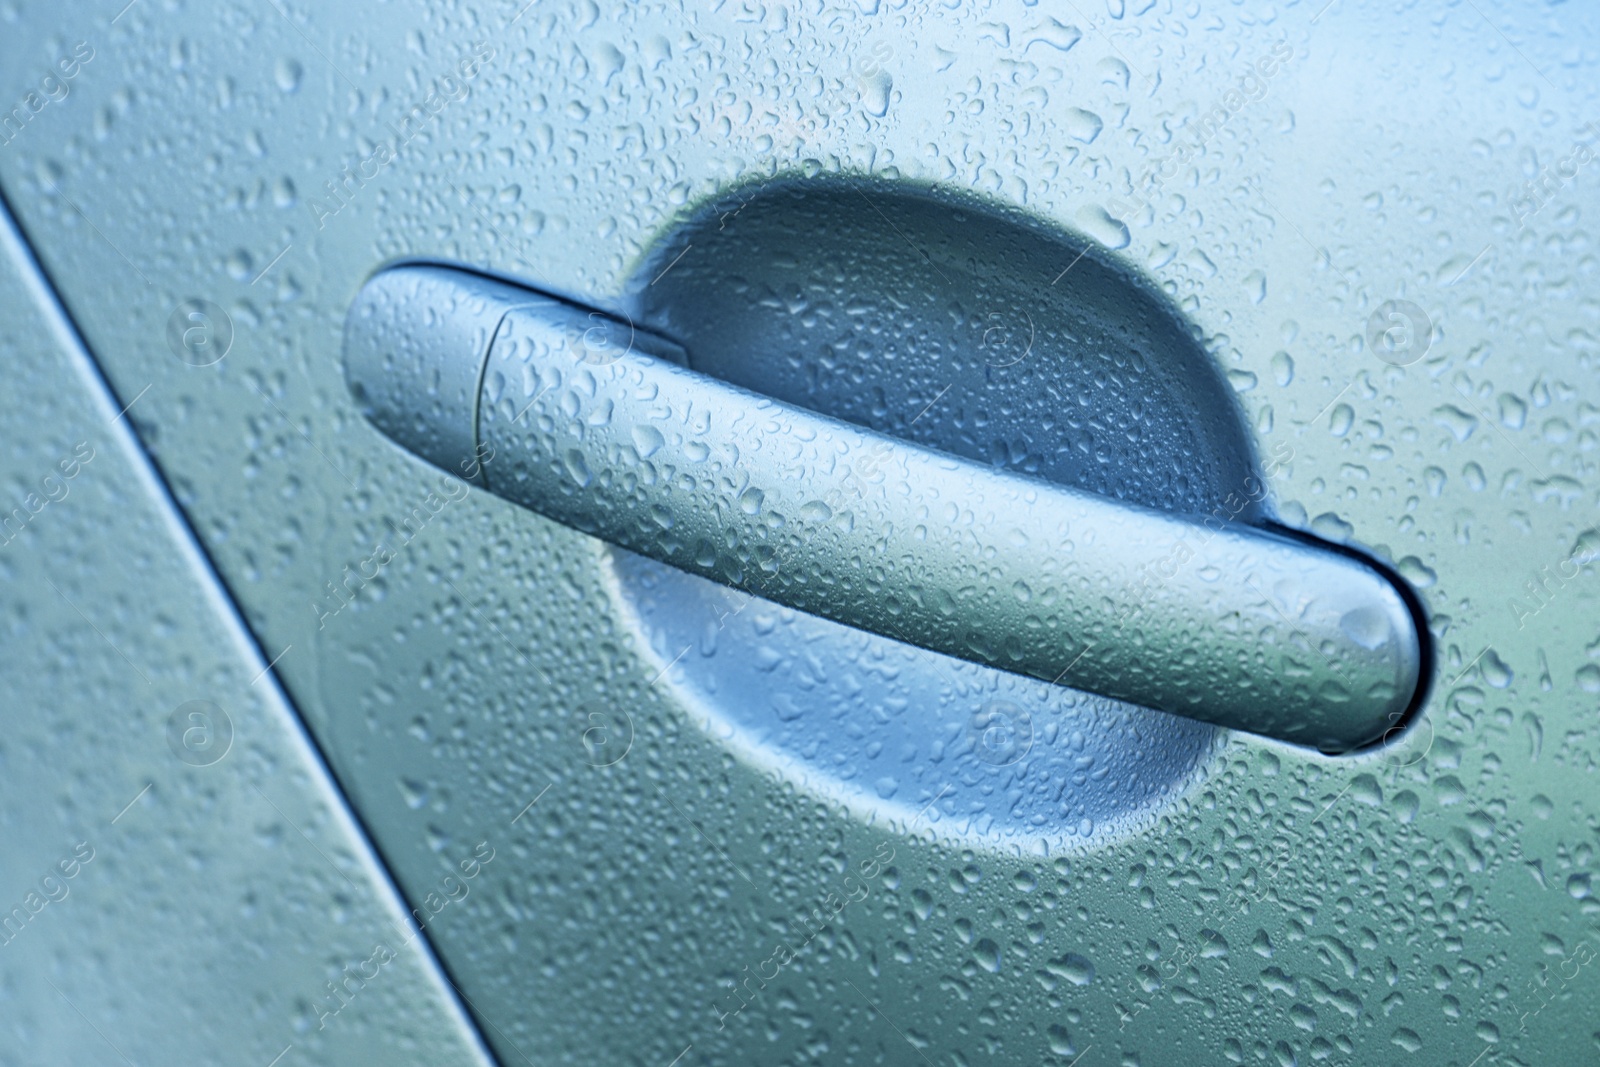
x: 577, y: 416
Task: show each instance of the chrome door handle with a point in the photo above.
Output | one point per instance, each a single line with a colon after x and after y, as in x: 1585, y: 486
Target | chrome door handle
x: 544, y: 404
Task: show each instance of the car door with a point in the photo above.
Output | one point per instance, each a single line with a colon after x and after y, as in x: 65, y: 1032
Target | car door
x: 1318, y: 275
x: 184, y: 882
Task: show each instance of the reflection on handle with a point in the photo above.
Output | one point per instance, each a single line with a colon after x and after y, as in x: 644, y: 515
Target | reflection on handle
x: 1220, y: 622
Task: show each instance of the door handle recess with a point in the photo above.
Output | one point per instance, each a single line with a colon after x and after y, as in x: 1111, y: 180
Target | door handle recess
x: 583, y: 419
